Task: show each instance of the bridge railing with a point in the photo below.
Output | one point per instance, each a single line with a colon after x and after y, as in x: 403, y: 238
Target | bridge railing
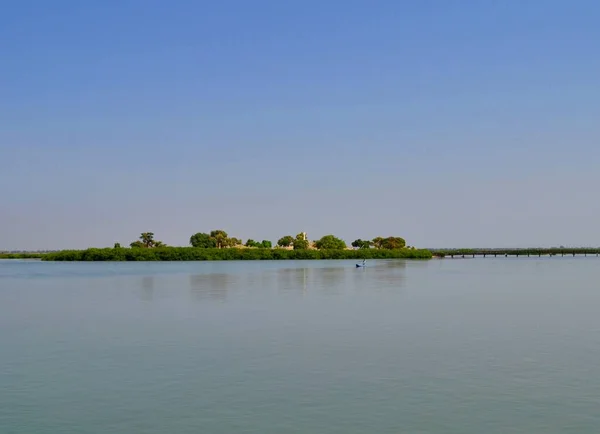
x: 521, y: 251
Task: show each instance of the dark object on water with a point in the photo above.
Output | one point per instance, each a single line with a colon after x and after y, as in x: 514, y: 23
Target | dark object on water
x: 364, y: 264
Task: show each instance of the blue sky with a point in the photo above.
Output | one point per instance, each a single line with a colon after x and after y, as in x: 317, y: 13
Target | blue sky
x: 450, y: 123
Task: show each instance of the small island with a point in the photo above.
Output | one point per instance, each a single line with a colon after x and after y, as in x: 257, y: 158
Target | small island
x: 217, y: 245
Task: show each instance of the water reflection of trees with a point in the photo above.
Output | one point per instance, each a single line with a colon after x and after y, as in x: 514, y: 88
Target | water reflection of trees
x: 292, y: 280
x: 213, y: 286
x: 147, y: 287
x: 331, y: 279
x: 388, y: 274
x: 304, y: 279
x: 376, y: 275
x: 398, y: 264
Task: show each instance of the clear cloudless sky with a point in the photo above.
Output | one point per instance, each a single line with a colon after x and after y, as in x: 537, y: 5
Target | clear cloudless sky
x: 450, y: 123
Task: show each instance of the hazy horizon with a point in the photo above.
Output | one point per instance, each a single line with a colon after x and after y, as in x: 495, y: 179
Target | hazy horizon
x: 449, y: 125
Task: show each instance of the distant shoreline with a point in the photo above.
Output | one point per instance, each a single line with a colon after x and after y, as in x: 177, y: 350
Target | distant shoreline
x: 233, y: 253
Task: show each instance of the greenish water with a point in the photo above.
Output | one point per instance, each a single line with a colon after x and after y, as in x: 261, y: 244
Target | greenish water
x: 442, y: 346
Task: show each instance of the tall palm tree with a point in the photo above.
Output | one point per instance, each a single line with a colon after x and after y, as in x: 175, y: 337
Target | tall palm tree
x: 147, y: 239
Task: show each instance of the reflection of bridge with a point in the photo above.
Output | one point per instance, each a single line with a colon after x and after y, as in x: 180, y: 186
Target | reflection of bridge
x: 527, y: 252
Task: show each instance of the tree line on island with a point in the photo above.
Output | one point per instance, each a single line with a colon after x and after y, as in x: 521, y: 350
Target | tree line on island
x: 219, y: 239
x: 218, y: 245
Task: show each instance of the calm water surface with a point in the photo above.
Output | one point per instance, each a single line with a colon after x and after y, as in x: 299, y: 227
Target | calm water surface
x: 444, y: 346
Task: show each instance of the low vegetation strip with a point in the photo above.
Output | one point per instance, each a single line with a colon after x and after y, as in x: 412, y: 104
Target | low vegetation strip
x: 21, y: 255
x: 231, y: 254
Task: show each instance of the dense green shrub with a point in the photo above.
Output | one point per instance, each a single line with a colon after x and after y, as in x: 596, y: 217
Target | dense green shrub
x: 301, y: 244
x: 329, y: 242
x: 200, y: 254
x: 362, y: 244
x: 389, y: 243
x: 202, y: 240
x: 286, y: 241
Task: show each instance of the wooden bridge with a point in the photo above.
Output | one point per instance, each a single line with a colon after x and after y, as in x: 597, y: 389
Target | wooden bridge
x: 523, y: 252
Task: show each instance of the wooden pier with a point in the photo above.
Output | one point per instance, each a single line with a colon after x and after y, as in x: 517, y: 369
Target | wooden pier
x: 525, y: 252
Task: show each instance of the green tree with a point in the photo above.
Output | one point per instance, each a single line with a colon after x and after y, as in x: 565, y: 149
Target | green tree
x: 362, y: 244
x: 266, y: 244
x: 392, y: 243
x: 117, y: 245
x: 203, y: 241
x: 220, y: 237
x: 330, y: 242
x: 378, y: 242
x: 252, y: 243
x: 285, y: 241
x: 233, y: 242
x: 147, y: 239
x: 300, y: 244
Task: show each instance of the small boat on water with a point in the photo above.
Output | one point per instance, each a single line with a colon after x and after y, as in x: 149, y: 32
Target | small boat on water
x: 364, y: 264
